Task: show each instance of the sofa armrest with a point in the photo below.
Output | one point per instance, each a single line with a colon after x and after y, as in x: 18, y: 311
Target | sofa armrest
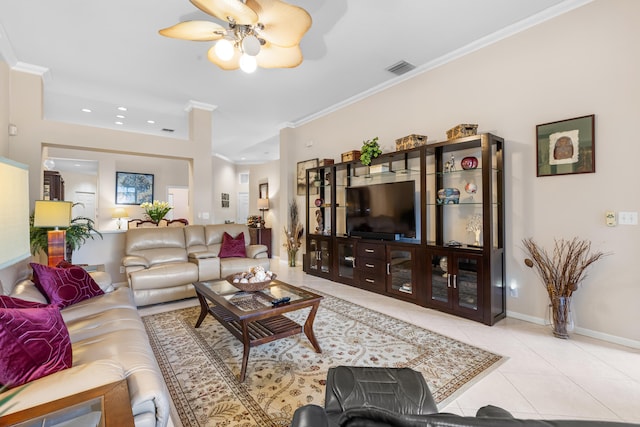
x: 310, y: 416
x: 135, y: 260
x: 491, y: 411
x: 254, y: 250
x: 64, y: 383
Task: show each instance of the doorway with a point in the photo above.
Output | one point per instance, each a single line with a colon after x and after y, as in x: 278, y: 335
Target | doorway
x: 178, y: 197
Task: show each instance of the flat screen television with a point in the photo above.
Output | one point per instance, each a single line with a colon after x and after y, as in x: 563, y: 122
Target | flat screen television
x: 382, y: 211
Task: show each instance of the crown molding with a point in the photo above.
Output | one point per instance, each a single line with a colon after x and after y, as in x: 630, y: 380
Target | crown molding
x: 540, y: 17
x: 199, y: 105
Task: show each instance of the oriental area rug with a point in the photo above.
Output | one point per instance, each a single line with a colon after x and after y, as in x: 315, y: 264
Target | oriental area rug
x: 201, y: 366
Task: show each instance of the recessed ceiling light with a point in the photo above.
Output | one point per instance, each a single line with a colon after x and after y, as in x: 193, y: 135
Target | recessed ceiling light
x: 119, y: 123
x: 151, y: 121
x: 122, y: 108
x: 120, y: 116
x: 86, y: 110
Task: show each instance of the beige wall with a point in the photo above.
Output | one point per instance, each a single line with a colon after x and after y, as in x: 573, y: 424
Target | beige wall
x: 579, y: 63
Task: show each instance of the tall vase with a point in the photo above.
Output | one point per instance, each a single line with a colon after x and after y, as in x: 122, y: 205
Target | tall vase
x: 292, y: 257
x: 561, y: 317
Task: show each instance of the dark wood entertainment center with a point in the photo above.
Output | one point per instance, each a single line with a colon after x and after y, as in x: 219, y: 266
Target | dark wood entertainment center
x: 442, y: 266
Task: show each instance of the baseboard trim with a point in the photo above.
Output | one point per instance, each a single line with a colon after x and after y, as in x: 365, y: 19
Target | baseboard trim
x: 580, y: 331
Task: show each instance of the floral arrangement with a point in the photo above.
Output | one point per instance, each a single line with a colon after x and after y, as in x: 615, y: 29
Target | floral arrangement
x: 293, y: 233
x: 157, y: 210
x: 255, y: 221
x: 562, y: 271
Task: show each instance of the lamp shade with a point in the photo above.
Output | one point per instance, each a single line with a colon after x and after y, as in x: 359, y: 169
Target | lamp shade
x: 263, y: 204
x: 52, y: 214
x: 120, y: 213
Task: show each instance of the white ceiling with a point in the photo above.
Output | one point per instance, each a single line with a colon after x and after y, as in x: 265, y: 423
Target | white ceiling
x: 101, y: 55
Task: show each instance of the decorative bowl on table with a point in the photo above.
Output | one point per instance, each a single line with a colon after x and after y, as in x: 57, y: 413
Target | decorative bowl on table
x: 254, y: 280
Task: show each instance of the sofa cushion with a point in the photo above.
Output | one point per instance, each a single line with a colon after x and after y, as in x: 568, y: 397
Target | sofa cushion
x: 233, y: 246
x: 12, y: 302
x: 35, y: 343
x: 65, y: 286
x: 102, y: 278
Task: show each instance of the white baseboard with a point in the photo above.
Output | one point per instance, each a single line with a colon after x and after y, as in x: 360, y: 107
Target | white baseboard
x: 580, y: 331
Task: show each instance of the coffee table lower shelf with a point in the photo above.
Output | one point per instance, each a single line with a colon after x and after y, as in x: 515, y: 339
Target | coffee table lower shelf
x: 259, y: 331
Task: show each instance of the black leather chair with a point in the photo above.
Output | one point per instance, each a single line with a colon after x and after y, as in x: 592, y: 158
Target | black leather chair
x: 383, y: 397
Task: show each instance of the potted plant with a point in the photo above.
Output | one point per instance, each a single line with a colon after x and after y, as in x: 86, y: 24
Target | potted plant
x: 157, y: 210
x: 561, y: 272
x: 81, y: 229
x: 369, y: 151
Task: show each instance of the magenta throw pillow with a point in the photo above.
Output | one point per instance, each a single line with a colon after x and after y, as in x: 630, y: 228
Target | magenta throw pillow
x: 65, y: 286
x: 232, y: 247
x: 34, y: 342
x: 11, y: 302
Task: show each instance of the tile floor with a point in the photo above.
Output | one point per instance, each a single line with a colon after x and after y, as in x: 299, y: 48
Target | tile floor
x: 544, y: 377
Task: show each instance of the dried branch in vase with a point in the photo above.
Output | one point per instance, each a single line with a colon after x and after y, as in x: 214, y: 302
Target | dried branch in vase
x: 562, y: 271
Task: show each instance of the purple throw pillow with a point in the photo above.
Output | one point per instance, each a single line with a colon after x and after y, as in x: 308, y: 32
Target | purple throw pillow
x: 64, y: 286
x: 232, y: 247
x: 12, y: 302
x: 34, y: 342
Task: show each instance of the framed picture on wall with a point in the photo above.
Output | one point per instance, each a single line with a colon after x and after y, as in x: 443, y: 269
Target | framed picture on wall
x: 566, y: 146
x: 263, y: 191
x: 301, y: 177
x: 225, y: 200
x: 134, y: 188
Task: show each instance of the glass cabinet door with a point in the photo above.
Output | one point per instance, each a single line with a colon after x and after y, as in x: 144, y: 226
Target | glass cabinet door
x: 466, y: 284
x: 319, y: 255
x: 325, y: 256
x: 440, y: 290
x: 314, y: 262
x: 346, y: 260
x: 400, y: 271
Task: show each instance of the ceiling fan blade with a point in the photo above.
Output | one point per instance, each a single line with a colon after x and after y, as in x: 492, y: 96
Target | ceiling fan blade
x: 225, y: 9
x: 195, y: 30
x: 231, y: 64
x: 273, y: 56
x: 284, y: 24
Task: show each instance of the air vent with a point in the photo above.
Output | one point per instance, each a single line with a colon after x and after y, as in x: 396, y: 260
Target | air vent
x: 399, y: 68
x: 167, y: 130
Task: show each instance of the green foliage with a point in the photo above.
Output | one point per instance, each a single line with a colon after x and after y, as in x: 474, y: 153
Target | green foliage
x: 81, y: 229
x: 370, y: 150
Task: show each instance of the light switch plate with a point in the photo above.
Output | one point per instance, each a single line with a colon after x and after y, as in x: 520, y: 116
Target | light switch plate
x: 628, y: 218
x: 610, y: 218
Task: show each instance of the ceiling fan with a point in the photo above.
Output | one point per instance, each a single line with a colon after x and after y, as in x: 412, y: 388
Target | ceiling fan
x: 265, y: 33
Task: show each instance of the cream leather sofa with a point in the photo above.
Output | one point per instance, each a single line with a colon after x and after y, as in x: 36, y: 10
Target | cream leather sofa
x: 109, y: 343
x: 161, y: 263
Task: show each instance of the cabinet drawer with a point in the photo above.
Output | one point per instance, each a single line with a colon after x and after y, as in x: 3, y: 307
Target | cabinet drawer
x: 371, y: 250
x: 371, y: 272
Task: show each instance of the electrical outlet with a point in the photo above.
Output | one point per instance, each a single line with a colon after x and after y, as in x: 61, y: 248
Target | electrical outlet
x: 610, y: 218
x: 122, y: 269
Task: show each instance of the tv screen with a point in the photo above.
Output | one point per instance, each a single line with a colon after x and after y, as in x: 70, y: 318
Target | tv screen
x: 382, y: 211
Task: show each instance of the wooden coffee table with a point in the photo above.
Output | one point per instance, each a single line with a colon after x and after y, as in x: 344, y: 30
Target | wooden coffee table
x: 251, y: 317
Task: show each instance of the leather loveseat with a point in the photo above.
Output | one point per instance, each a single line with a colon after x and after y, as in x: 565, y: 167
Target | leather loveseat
x: 108, y: 343
x: 161, y: 263
x: 398, y: 397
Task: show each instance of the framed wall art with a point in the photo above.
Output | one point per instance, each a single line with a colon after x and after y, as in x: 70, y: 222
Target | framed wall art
x: 225, y: 200
x: 301, y: 179
x: 566, y: 146
x: 134, y: 188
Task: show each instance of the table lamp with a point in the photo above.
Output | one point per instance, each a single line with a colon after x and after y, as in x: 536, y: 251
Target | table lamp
x: 263, y: 205
x: 56, y: 215
x: 120, y: 213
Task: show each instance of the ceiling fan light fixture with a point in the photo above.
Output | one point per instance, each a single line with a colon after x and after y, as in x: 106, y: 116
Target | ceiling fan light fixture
x: 251, y: 45
x: 248, y: 63
x: 224, y: 49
